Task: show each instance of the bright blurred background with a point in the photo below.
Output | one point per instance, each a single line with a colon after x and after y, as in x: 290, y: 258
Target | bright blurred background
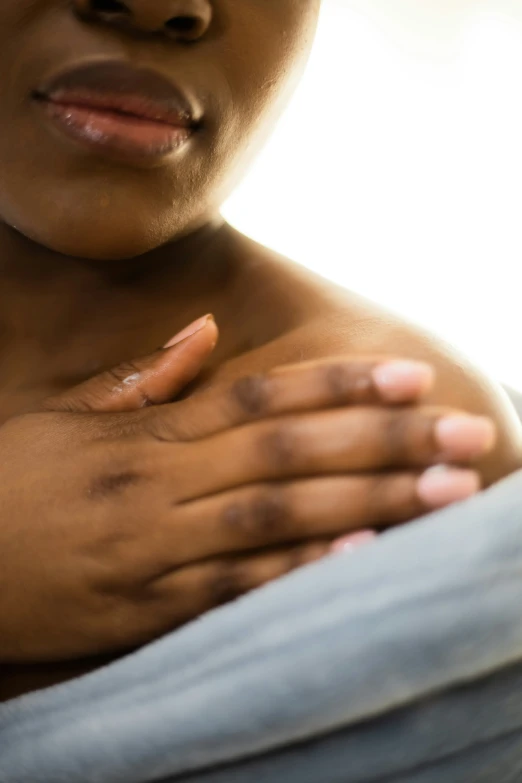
x: 397, y: 170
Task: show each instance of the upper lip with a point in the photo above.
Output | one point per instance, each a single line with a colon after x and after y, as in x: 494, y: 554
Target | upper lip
x: 119, y: 87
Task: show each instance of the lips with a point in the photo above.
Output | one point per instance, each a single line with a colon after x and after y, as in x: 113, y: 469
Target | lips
x: 120, y: 111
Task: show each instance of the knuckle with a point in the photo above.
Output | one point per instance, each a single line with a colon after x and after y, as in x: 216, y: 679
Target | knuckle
x: 251, y: 394
x: 398, y: 436
x: 224, y: 584
x: 113, y: 482
x: 278, y: 445
x: 116, y: 474
x: 348, y: 381
x: 265, y: 514
x: 127, y: 374
x: 411, y: 436
x: 270, y: 511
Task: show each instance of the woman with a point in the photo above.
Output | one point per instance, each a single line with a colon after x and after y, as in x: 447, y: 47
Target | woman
x: 126, y: 123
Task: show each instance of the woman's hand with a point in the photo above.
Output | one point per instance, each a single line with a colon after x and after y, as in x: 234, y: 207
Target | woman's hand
x: 121, y: 520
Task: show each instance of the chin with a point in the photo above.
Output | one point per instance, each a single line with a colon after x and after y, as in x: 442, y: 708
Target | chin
x: 96, y: 246
x: 108, y: 237
x: 103, y: 216
x: 101, y: 251
x: 102, y: 248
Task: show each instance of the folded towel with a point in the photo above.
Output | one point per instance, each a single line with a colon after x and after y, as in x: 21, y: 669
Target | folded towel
x: 397, y: 663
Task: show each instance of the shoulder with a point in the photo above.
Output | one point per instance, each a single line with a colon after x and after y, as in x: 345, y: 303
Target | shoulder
x: 368, y: 330
x: 300, y: 316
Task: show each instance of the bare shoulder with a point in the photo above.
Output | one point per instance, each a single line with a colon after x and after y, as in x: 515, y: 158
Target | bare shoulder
x: 299, y: 316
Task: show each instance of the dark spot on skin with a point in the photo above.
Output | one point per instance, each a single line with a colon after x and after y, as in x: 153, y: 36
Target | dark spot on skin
x: 113, y: 483
x: 397, y: 447
x: 349, y: 384
x: 225, y: 586
x: 264, y: 516
x: 251, y: 394
x: 269, y: 512
x: 279, y: 446
x: 338, y: 381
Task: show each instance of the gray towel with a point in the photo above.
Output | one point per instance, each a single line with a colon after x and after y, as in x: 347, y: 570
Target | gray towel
x: 402, y: 662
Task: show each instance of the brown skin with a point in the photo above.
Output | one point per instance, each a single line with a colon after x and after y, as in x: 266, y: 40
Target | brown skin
x: 84, y: 286
x: 180, y: 507
x: 241, y: 69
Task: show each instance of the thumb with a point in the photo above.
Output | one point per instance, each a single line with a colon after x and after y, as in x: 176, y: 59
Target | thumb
x: 152, y: 380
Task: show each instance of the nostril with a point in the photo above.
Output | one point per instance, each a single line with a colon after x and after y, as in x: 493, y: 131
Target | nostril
x: 186, y: 25
x: 108, y: 7
x: 151, y: 16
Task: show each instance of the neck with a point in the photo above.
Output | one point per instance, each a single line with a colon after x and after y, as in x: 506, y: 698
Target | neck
x: 63, y: 319
x: 26, y: 264
x: 44, y: 293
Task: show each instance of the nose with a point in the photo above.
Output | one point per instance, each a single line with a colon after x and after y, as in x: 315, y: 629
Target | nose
x: 185, y: 20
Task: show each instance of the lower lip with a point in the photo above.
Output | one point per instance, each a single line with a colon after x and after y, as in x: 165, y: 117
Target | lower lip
x: 118, y: 134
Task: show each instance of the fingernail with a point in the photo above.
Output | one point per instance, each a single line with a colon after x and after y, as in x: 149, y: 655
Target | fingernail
x: 465, y: 436
x: 353, y: 541
x: 441, y: 485
x: 194, y: 327
x: 398, y: 381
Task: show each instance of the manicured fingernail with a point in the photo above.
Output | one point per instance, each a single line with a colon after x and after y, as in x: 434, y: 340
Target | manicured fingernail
x: 399, y: 381
x: 353, y: 541
x: 442, y: 485
x: 193, y: 328
x: 463, y: 436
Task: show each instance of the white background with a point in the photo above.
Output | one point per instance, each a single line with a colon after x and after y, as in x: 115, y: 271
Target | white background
x: 397, y: 170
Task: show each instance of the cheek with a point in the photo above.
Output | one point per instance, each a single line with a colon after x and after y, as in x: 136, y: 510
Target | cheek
x: 272, y: 40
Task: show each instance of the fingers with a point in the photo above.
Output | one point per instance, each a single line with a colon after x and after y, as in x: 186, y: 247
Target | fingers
x: 181, y: 595
x: 353, y: 541
x: 273, y: 514
x: 442, y: 485
x: 151, y: 380
x: 324, y: 383
x: 346, y: 440
x: 166, y: 601
x: 188, y: 593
